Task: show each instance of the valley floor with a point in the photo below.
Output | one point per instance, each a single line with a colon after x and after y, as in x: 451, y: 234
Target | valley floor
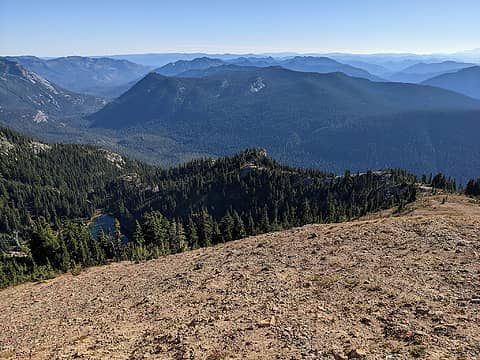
x: 384, y: 287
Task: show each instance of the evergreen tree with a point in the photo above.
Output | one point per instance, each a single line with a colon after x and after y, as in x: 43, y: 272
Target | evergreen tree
x: 473, y: 187
x: 181, y: 240
x: 117, y: 240
x: 106, y: 244
x: 265, y: 221
x: 192, y: 235
x: 239, y: 231
x: 307, y: 216
x: 137, y: 236
x: 227, y: 227
x: 204, y: 224
x: 43, y: 242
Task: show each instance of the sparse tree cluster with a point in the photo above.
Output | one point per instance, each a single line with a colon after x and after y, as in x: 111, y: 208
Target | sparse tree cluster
x: 440, y: 182
x: 473, y: 187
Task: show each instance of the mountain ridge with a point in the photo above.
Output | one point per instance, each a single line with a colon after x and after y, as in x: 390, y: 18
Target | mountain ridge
x: 95, y: 76
x: 419, y: 72
x: 279, y: 109
x: 465, y: 81
x: 241, y: 77
x: 325, y: 65
x: 26, y: 96
x: 320, y: 65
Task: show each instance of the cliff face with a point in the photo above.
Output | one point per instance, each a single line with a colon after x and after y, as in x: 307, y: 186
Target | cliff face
x: 406, y: 286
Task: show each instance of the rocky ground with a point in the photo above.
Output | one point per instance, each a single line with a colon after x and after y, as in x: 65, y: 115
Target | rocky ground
x: 384, y: 287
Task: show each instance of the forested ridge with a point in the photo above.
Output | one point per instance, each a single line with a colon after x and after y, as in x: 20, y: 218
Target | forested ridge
x: 54, y: 181
x: 49, y: 193
x: 302, y: 119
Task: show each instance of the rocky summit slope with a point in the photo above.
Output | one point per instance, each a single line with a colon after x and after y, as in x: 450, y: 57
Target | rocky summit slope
x: 383, y: 287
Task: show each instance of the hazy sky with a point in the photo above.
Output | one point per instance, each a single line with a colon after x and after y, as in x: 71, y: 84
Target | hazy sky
x: 100, y: 27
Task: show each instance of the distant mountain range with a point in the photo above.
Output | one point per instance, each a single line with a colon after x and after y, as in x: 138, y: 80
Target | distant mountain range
x: 423, y: 71
x: 214, y: 107
x: 161, y: 59
x: 96, y: 76
x: 465, y: 81
x: 394, y: 62
x: 111, y: 76
x: 28, y: 98
x: 324, y: 65
x: 37, y: 107
x: 374, y: 69
x: 331, y: 121
x: 254, y: 61
x: 321, y: 65
x: 181, y: 66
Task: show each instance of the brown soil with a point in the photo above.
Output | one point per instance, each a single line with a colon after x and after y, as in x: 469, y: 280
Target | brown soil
x: 384, y: 287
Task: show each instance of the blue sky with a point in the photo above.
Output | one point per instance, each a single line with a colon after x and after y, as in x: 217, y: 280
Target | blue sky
x: 86, y: 27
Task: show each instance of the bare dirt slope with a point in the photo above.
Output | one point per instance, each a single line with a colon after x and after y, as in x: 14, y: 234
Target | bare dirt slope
x: 380, y: 288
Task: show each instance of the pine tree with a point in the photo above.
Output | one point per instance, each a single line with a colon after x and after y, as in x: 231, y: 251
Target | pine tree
x: 181, y: 239
x: 239, y: 231
x: 63, y: 260
x: 43, y: 242
x: 265, y: 221
x: 117, y: 240
x: 205, y: 228
x: 307, y: 216
x: 227, y: 227
x: 106, y: 244
x: 137, y: 236
x: 192, y: 235
x: 251, y: 229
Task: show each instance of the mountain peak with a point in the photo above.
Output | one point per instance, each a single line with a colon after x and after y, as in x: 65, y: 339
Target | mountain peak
x: 98, y: 76
x: 27, y: 97
x: 8, y: 67
x: 181, y: 66
x: 314, y: 59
